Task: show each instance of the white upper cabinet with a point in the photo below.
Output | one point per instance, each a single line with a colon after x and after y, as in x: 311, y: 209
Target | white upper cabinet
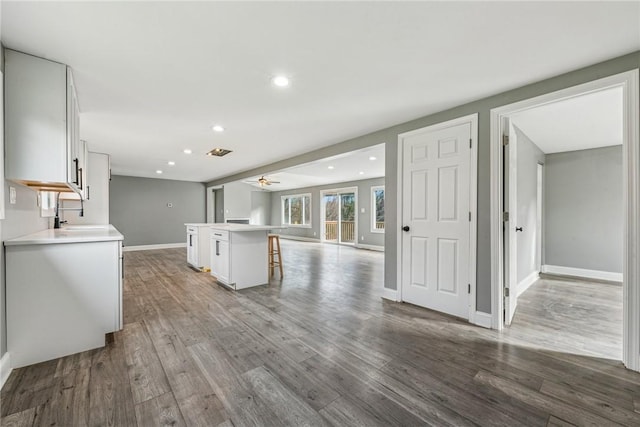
x: 42, y: 125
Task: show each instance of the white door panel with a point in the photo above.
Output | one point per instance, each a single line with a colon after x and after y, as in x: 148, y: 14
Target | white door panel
x: 436, y: 190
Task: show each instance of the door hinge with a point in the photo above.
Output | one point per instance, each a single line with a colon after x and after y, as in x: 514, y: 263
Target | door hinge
x: 469, y: 288
x: 470, y: 143
x: 505, y: 216
x: 505, y: 139
x: 506, y: 292
x: 469, y: 216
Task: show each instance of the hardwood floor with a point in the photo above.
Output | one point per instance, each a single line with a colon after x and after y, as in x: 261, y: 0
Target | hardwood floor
x: 319, y: 347
x: 571, y: 316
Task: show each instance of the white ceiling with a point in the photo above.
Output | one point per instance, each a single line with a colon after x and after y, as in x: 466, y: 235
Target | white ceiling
x: 152, y: 77
x: 587, y: 121
x: 352, y: 166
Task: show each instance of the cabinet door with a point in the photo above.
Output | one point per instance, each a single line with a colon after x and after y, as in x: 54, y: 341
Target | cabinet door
x: 73, y: 135
x: 223, y: 262
x: 191, y: 249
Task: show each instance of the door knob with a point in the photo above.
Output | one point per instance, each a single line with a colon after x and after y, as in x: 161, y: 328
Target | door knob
x: 406, y: 228
x: 518, y: 228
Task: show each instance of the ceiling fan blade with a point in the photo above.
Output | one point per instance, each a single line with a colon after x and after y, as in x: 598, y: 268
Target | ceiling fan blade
x: 274, y: 182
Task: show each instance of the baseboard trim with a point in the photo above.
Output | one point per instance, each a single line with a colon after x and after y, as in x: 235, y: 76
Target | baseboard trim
x: 390, y: 294
x: 581, y: 272
x: 154, y: 247
x: 300, y: 238
x: 483, y: 319
x: 370, y: 247
x: 526, y: 283
x: 5, y: 368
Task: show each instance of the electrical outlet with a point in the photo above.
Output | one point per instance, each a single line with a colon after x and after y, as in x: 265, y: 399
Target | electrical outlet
x: 361, y: 237
x: 314, y: 233
x: 12, y: 195
x: 169, y: 205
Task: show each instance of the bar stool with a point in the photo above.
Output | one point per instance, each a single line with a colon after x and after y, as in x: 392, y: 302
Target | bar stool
x: 275, y: 256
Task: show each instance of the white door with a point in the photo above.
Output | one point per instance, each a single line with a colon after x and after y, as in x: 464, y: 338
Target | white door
x: 510, y: 163
x: 436, y: 218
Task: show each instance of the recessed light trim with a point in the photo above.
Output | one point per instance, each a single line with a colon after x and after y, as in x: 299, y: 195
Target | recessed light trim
x: 372, y: 158
x: 330, y: 167
x: 171, y: 163
x: 361, y: 173
x: 280, y: 81
x: 217, y: 128
x: 187, y: 151
x: 158, y: 171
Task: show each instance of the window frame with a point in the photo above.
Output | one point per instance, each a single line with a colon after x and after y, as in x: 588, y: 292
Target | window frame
x: 375, y: 188
x: 292, y: 196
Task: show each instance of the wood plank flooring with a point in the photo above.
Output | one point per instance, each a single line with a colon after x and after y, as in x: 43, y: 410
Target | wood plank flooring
x: 570, y: 315
x: 319, y: 347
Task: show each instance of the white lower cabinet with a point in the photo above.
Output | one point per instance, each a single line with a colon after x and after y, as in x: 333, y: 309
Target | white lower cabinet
x: 198, y: 245
x: 239, y: 258
x: 61, y: 298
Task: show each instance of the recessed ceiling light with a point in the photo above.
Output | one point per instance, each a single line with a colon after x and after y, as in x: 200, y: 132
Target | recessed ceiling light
x: 372, y: 158
x: 170, y: 163
x: 158, y: 171
x: 218, y: 152
x: 361, y: 173
x: 280, y: 81
x: 218, y: 128
x: 330, y: 167
x: 186, y: 151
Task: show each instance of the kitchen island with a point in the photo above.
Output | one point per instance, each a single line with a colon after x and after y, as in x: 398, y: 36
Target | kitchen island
x: 64, y: 291
x: 239, y: 257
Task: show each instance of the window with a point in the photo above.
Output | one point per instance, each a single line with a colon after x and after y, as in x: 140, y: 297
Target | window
x: 377, y: 209
x: 296, y: 210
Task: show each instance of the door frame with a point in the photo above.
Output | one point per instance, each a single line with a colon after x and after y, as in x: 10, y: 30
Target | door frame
x: 628, y: 81
x: 323, y: 212
x: 472, y: 119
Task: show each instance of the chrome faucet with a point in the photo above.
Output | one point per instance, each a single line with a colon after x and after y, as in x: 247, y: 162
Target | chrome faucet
x: 56, y: 220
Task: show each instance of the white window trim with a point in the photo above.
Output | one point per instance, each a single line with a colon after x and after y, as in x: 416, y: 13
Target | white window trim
x: 289, y: 196
x: 373, y: 208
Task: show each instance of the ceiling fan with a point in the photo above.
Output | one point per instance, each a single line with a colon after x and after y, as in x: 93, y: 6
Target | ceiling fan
x: 262, y: 181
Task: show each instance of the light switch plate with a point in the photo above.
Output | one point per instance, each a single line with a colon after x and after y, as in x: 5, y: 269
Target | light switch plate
x: 12, y: 195
x: 361, y: 210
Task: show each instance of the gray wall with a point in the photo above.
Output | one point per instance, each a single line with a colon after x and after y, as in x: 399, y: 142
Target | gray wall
x: 260, y: 207
x: 237, y: 200
x: 314, y: 232
x: 482, y: 107
x: 583, y: 209
x: 528, y: 157
x: 138, y: 208
x: 220, y: 205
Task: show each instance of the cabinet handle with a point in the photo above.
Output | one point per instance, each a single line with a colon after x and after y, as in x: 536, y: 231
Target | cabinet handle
x: 190, y: 236
x: 218, y: 247
x: 77, y: 165
x: 88, y: 192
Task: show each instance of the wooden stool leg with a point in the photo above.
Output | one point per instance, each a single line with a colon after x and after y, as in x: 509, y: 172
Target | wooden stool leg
x: 271, y: 257
x: 279, y: 256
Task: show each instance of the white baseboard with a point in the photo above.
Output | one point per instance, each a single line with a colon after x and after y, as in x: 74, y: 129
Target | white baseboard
x: 153, y: 247
x: 581, y: 272
x: 483, y: 319
x: 5, y: 368
x: 370, y: 247
x: 390, y: 294
x: 527, y: 282
x: 301, y: 238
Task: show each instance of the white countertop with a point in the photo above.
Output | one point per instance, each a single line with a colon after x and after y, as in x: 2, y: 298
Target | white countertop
x: 244, y: 227
x: 197, y: 224
x: 69, y: 234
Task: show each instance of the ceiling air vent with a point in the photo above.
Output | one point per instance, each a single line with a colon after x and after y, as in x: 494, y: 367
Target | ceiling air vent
x: 218, y: 152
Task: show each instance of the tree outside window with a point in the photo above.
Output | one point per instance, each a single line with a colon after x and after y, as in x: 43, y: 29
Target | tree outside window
x: 377, y: 209
x: 296, y: 210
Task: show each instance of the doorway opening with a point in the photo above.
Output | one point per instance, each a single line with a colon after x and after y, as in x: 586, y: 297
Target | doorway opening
x: 339, y: 215
x: 564, y: 208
